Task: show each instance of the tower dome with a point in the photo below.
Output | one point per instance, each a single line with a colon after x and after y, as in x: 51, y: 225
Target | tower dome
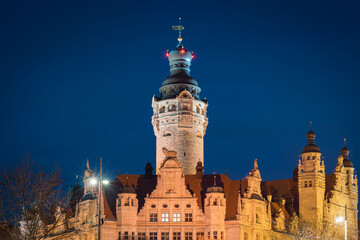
x: 310, y: 147
x: 345, y: 153
x: 179, y: 78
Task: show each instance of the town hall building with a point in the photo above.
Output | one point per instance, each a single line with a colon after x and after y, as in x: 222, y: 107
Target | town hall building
x: 174, y: 198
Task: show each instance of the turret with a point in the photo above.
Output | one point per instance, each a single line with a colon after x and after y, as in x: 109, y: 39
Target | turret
x: 311, y: 181
x: 126, y: 207
x: 215, y: 209
x: 179, y: 116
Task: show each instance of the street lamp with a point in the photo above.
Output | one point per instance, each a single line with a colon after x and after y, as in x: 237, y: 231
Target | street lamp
x: 342, y: 219
x: 100, y: 182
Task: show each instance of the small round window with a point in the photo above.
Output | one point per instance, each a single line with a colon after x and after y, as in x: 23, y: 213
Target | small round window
x: 188, y: 206
x: 165, y: 206
x: 176, y: 206
x: 153, y: 206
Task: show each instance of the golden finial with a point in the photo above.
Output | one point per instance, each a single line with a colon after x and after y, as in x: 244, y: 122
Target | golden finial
x: 344, y: 142
x: 310, y: 125
x: 214, y: 178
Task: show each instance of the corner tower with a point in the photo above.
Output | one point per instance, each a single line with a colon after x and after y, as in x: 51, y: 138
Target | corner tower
x: 311, y: 182
x: 179, y: 116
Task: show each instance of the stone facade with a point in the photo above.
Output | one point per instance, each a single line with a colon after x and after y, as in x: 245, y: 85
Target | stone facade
x: 181, y: 202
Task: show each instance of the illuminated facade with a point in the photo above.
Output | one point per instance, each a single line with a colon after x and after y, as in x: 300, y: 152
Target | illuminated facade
x: 181, y: 202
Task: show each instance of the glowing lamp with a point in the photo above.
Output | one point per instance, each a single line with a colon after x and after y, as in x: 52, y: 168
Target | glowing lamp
x: 167, y: 54
x: 340, y: 219
x: 93, y: 181
x: 182, y: 51
x: 105, y: 182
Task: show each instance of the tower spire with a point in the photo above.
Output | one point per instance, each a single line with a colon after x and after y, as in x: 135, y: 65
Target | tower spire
x: 179, y: 28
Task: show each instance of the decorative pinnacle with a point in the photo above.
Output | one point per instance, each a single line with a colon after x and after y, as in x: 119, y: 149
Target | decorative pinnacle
x: 214, y: 178
x: 310, y: 125
x: 344, y: 142
x: 179, y: 28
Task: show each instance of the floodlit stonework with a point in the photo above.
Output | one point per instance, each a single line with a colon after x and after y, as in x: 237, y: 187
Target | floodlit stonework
x: 180, y: 201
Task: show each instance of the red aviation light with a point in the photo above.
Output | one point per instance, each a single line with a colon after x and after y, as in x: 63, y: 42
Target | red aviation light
x: 192, y: 54
x: 167, y: 53
x: 182, y: 51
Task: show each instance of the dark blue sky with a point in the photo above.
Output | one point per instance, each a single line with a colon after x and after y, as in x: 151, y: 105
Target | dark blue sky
x: 77, y: 78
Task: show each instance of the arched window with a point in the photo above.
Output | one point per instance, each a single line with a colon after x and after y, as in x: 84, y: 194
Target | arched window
x: 162, y: 110
x: 197, y: 109
x: 172, y: 108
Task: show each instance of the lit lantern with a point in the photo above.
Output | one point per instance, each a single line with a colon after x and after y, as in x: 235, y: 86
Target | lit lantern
x: 182, y: 51
x: 167, y: 53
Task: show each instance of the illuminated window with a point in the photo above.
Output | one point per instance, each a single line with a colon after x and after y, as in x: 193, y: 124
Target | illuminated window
x: 188, y: 236
x: 177, y: 217
x: 164, y: 217
x: 188, y: 217
x: 177, y: 236
x: 153, y: 236
x: 153, y: 217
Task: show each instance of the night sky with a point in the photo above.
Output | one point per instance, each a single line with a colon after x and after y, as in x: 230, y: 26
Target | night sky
x: 77, y: 78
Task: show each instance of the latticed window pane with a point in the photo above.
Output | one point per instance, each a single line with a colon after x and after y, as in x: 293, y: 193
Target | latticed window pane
x: 176, y: 235
x: 141, y: 236
x: 188, y: 236
x: 200, y: 236
x: 177, y: 217
x: 153, y: 217
x: 164, y: 217
x: 153, y: 235
x: 188, y: 217
x: 165, y: 236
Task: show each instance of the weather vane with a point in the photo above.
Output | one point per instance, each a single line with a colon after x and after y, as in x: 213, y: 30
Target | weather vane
x: 179, y: 28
